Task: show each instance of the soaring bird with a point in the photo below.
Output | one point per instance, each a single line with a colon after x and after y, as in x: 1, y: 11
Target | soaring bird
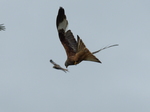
x: 75, y: 49
x: 56, y: 66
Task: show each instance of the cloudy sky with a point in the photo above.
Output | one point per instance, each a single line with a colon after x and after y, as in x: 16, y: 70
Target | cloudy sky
x: 28, y: 83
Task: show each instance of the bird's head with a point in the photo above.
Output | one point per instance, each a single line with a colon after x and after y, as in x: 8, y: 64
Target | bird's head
x: 68, y: 63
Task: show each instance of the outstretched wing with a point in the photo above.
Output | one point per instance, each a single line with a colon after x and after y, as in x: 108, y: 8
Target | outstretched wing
x: 66, y: 37
x: 68, y: 41
x: 61, y: 20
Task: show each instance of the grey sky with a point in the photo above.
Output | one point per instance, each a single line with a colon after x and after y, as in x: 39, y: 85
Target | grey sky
x: 28, y: 83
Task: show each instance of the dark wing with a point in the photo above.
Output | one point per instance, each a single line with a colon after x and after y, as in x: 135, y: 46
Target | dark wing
x: 61, y: 20
x: 67, y: 39
x: 2, y: 27
x: 72, y: 43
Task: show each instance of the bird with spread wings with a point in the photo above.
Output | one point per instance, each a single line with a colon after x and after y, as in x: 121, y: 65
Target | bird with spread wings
x: 75, y: 49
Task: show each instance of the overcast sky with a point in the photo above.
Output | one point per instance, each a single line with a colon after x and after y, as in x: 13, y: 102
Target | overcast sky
x: 28, y: 83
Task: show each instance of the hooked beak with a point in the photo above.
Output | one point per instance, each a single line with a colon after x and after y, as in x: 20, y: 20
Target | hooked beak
x: 66, y: 66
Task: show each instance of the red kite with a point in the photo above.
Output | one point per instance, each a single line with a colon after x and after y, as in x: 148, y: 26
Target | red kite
x: 76, y: 50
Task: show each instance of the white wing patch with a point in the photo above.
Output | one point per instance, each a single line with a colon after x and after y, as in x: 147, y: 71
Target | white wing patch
x: 63, y: 25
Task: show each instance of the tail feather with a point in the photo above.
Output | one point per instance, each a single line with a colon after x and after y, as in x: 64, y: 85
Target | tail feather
x: 91, y: 57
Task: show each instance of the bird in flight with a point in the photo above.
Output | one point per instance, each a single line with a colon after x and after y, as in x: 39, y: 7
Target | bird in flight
x: 75, y: 49
x: 58, y: 67
x: 2, y: 27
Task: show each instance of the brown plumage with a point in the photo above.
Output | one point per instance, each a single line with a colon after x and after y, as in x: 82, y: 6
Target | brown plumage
x: 76, y: 50
x: 58, y: 67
